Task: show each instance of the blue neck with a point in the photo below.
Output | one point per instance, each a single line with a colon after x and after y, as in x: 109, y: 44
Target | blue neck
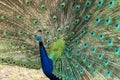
x: 46, y: 62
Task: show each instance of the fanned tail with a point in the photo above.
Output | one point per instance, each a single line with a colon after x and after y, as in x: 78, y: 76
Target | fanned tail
x: 81, y: 37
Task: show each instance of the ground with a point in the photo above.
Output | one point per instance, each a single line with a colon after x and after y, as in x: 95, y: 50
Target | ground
x: 19, y: 73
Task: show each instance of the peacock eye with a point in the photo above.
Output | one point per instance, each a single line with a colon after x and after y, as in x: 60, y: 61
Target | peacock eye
x: 14, y: 62
x: 97, y: 20
x: 3, y: 59
x: 20, y: 32
x: 108, y: 73
x: 78, y: 53
x: 85, y: 45
x: 9, y: 60
x: 24, y: 65
x: 67, y: 66
x: 67, y: 27
x: 92, y: 34
x: 117, y: 51
x: 6, y: 32
x: 72, y: 34
x: 88, y: 4
x: 76, y: 22
x: 76, y: 65
x: 90, y: 64
x: 77, y: 42
x: 81, y: 71
x: 108, y: 21
x: 4, y: 17
x: 100, y: 3
x: 62, y: 6
x: 24, y: 46
x: 106, y: 62
x: 87, y: 17
x: 55, y: 38
x: 43, y: 7
x: 47, y: 33
x: 93, y: 50
x: 70, y: 48
x: 83, y: 31
x: 100, y: 56
x: 35, y: 22
x: 112, y: 3
x: 48, y: 41
x: 117, y: 26
x: 84, y: 58
x: 110, y: 42
x: 77, y: 8
x: 28, y: 2
x: 58, y: 30
x: 101, y: 36
x: 21, y: 64
x: 94, y: 71
x: 19, y: 17
x: 54, y: 18
x: 11, y: 43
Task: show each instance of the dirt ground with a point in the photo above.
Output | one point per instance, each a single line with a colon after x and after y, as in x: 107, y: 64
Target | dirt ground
x: 19, y: 73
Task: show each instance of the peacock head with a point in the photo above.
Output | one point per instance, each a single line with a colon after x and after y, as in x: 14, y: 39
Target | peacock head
x: 56, y: 49
x: 38, y: 37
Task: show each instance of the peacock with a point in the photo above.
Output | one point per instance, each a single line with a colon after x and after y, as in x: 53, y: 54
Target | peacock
x: 68, y: 39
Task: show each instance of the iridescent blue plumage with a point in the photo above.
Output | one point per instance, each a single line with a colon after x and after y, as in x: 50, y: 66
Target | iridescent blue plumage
x: 46, y: 62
